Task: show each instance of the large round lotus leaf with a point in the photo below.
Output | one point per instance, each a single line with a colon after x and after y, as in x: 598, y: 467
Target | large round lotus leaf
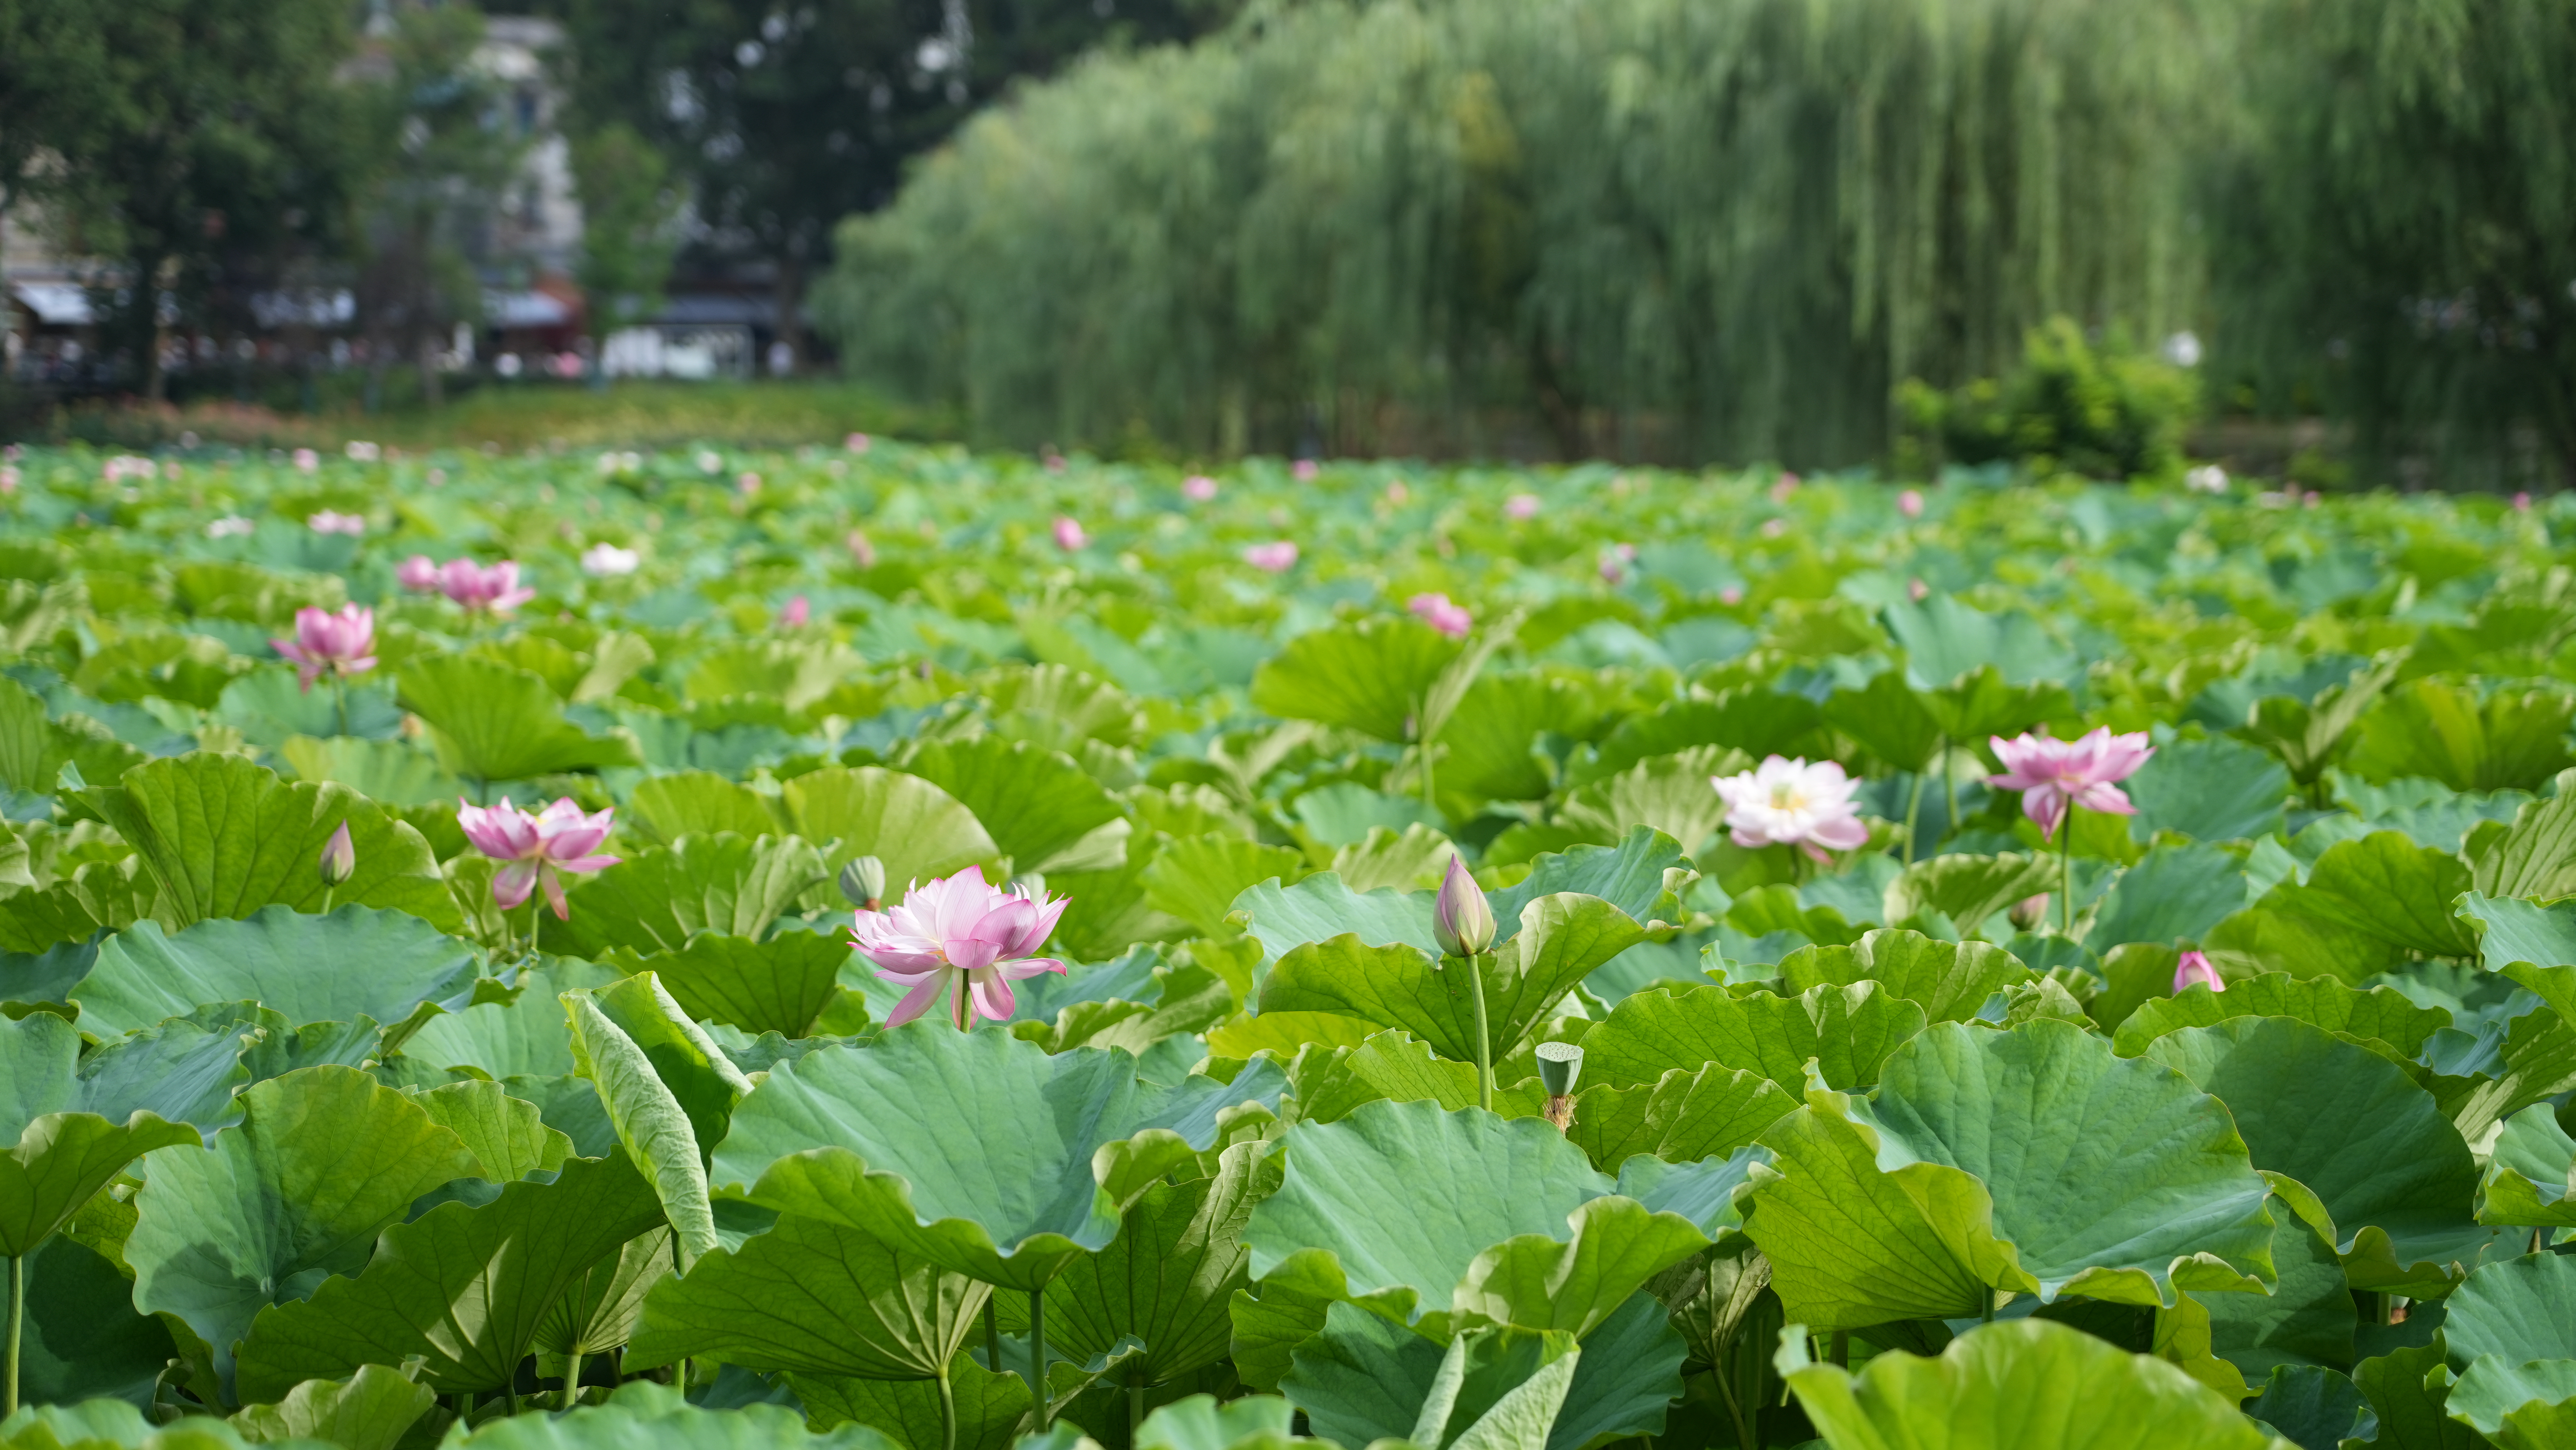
x: 356, y: 962
x: 59, y: 1155
x: 2101, y: 1168
x: 2352, y: 1127
x: 2518, y: 1309
x: 1170, y: 1277
x: 1950, y: 981
x: 976, y: 1151
x: 646, y: 1416
x: 371, y: 1410
x: 918, y: 830
x: 2029, y: 1384
x: 1849, y: 1030
x: 2530, y: 1168
x: 2526, y: 1406
x: 1467, y: 1180
x: 2382, y: 1013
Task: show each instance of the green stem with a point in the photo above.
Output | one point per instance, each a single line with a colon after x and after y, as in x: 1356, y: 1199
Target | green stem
x: 340, y: 688
x: 536, y: 921
x: 329, y: 894
x: 510, y: 1392
x: 1842, y: 1348
x: 1484, y: 1044
x: 17, y: 1322
x: 572, y: 1381
x: 992, y: 1339
x: 1037, y: 1354
x: 1950, y: 784
x: 947, y: 1411
x: 957, y: 1010
x: 1913, y: 814
x: 1989, y: 1315
x: 1135, y: 1407
x: 2066, y: 874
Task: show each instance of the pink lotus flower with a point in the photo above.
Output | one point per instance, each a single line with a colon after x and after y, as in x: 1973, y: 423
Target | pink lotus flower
x: 2054, y: 774
x: 1069, y: 535
x: 2522, y: 503
x: 1731, y: 596
x: 9, y: 478
x: 1786, y: 485
x: 747, y: 484
x: 306, y: 460
x: 1910, y: 503
x: 1792, y: 803
x: 1277, y: 557
x: 342, y: 643
x: 1436, y: 610
x: 324, y: 521
x: 1615, y: 561
x: 2194, y: 968
x: 959, y: 930
x: 537, y: 846
x: 419, y: 574
x: 856, y: 443
x: 495, y: 589
x: 797, y: 613
x: 1918, y: 591
x: 1305, y: 470
x: 862, y: 553
x: 1397, y: 493
x: 1521, y: 506
x: 1198, y: 488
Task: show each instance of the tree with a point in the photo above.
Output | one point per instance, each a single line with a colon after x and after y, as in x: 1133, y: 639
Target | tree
x: 629, y: 213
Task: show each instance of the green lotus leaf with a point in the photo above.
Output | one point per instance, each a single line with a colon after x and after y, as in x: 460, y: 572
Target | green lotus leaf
x: 1201, y: 1422
x: 2269, y: 937
x: 1848, y: 1030
x: 2515, y: 1309
x: 2174, y: 893
x: 323, y: 1161
x: 1365, y: 1380
x: 990, y: 1407
x: 222, y: 837
x: 466, y: 1288
x: 1345, y: 813
x: 116, y: 1425
x: 1684, y: 1117
x: 2535, y: 1063
x: 815, y: 1298
x: 2531, y: 1172
x: 700, y: 802
x: 1475, y: 1180
x: 2308, y: 1318
x: 1705, y: 1193
x: 1392, y: 1065
x: 1755, y: 720
x: 2381, y: 1014
x: 1638, y: 876
x: 269, y: 705
x: 779, y: 985
x: 2386, y: 1165
x: 604, y: 1305
x: 2408, y: 1389
x: 2511, y: 930
x: 871, y: 1138
x: 1200, y: 878
x: 493, y: 722
x: 657, y: 899
x: 1562, y: 939
x: 668, y: 1088
x: 370, y: 1410
x: 919, y: 831
x: 182, y: 1070
x: 2525, y: 1406
x: 291, y: 962
x: 525, y: 1035
x: 1485, y: 747
x: 2309, y: 1404
x: 1037, y: 802
x: 63, y: 1152
x: 2437, y: 730
x: 507, y: 1136
x: 643, y: 1415
x: 1537, y: 1281
x: 1369, y: 675
x: 2216, y: 789
x: 1667, y: 794
x: 1413, y: 859
x: 1320, y: 908
x: 1948, y: 980
x: 2031, y: 1384
x: 2534, y: 858
x: 388, y: 772
x: 101, y: 896
x: 82, y: 1337
x: 2387, y: 888
x: 1968, y: 889
x: 1167, y: 1280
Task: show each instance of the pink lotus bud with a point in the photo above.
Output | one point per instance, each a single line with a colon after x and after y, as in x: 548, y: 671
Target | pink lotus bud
x: 1198, y: 488
x: 339, y: 858
x: 1521, y: 506
x: 9, y: 479
x: 1731, y: 596
x: 1918, y: 591
x: 2522, y: 503
x: 1910, y: 503
x: 796, y: 614
x: 747, y: 484
x: 2194, y: 970
x: 1069, y: 535
x: 1397, y: 493
x: 1436, y: 610
x: 1054, y: 461
x: 1276, y: 558
x: 417, y: 574
x: 1462, y: 920
x: 1785, y: 486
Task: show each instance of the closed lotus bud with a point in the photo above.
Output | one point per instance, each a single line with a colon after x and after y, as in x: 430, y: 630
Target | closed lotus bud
x: 339, y: 857
x: 2194, y: 970
x: 1462, y: 920
x: 863, y: 882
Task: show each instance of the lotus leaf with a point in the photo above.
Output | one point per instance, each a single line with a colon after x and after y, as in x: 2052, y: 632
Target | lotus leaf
x: 1848, y: 1031
x: 288, y: 961
x: 1950, y: 981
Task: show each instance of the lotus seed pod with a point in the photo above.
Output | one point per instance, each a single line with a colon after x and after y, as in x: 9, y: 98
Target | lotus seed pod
x: 1560, y: 1066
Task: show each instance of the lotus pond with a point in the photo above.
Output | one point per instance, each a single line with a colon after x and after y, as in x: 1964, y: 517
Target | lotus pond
x: 1341, y: 960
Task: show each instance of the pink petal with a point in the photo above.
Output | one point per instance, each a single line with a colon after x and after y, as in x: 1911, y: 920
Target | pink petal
x: 993, y: 999
x: 512, y: 883
x: 2105, y: 797
x: 554, y: 892
x: 916, y: 1001
x: 1034, y: 966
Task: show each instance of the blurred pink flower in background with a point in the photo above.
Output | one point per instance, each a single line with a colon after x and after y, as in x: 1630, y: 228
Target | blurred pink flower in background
x: 1731, y: 596
x: 1910, y: 503
x: 862, y: 553
x: 1791, y: 803
x: 856, y: 443
x: 983, y: 938
x: 2193, y: 969
x: 1436, y: 610
x: 324, y: 521
x: 1918, y: 591
x: 1069, y: 535
x: 2522, y: 503
x: 479, y: 589
x: 419, y: 574
x: 1521, y: 506
x: 1277, y: 557
x: 306, y: 460
x: 1397, y: 493
x: 1784, y: 486
x: 1305, y: 470
x: 2053, y: 774
x: 747, y: 483
x: 9, y: 478
x: 1198, y: 488
x: 797, y: 613
x: 342, y: 644
x: 536, y: 846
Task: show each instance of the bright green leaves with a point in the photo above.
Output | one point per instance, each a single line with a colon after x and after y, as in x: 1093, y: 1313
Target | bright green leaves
x: 2382, y: 1014
x: 466, y: 1288
x: 920, y: 831
x: 1948, y: 980
x: 1536, y: 1281
x: 2535, y: 857
x: 1168, y: 1278
x: 1370, y: 676
x: 491, y: 722
x: 1849, y: 1031
x: 935, y: 1143
x: 2387, y: 889
x: 1681, y: 1118
x: 2030, y: 1160
x: 2513, y: 1324
x: 668, y: 1089
x: 295, y: 964
x: 648, y: 1416
x: 323, y: 1160
x: 661, y: 896
x: 779, y: 985
x: 2030, y: 1384
x: 1365, y: 1381
x: 370, y: 1410
x: 60, y: 1153
x: 1640, y: 876
x: 2531, y: 1173
x: 816, y: 1298
x: 1968, y: 889
x: 220, y: 836
x: 1561, y: 940
x: 2436, y: 730
x: 1037, y: 803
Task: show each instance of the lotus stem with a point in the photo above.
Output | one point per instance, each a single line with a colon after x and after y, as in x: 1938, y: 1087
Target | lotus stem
x: 1842, y: 1348
x: 510, y: 1391
x: 1950, y: 784
x: 572, y: 1380
x: 1135, y: 1406
x: 992, y: 1339
x: 1484, y: 1043
x: 948, y: 1410
x: 1037, y: 1354
x: 17, y: 1321
x: 329, y: 893
x: 340, y: 688
x: 2066, y: 876
x: 1913, y: 814
x: 536, y: 923
x: 957, y: 1009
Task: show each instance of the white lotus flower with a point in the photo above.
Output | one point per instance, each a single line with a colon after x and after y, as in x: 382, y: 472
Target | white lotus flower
x: 1792, y: 803
x: 606, y: 561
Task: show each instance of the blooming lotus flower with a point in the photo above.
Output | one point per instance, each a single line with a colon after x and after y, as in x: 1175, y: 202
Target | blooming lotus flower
x: 747, y: 484
x: 856, y: 443
x: 1069, y: 535
x: 1910, y: 503
x: 959, y: 930
x: 1791, y: 803
x: 1198, y: 488
x: 607, y: 561
x: 1521, y: 506
x: 306, y: 460
x: 1436, y: 610
x: 230, y: 526
x: 1277, y: 557
x: 419, y: 574
x: 1462, y: 920
x: 342, y: 643
x: 8, y: 478
x: 477, y: 588
x: 1305, y: 470
x: 2051, y: 774
x: 324, y: 521
x: 362, y: 451
x: 2195, y: 968
x: 537, y: 846
x: 796, y: 614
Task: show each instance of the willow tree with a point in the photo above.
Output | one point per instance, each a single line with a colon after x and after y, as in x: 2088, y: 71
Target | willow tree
x: 2396, y: 232
x: 1690, y: 228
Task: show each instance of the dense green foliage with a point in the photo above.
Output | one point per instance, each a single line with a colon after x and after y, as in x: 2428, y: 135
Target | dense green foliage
x: 1864, y: 1147
x: 2104, y: 412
